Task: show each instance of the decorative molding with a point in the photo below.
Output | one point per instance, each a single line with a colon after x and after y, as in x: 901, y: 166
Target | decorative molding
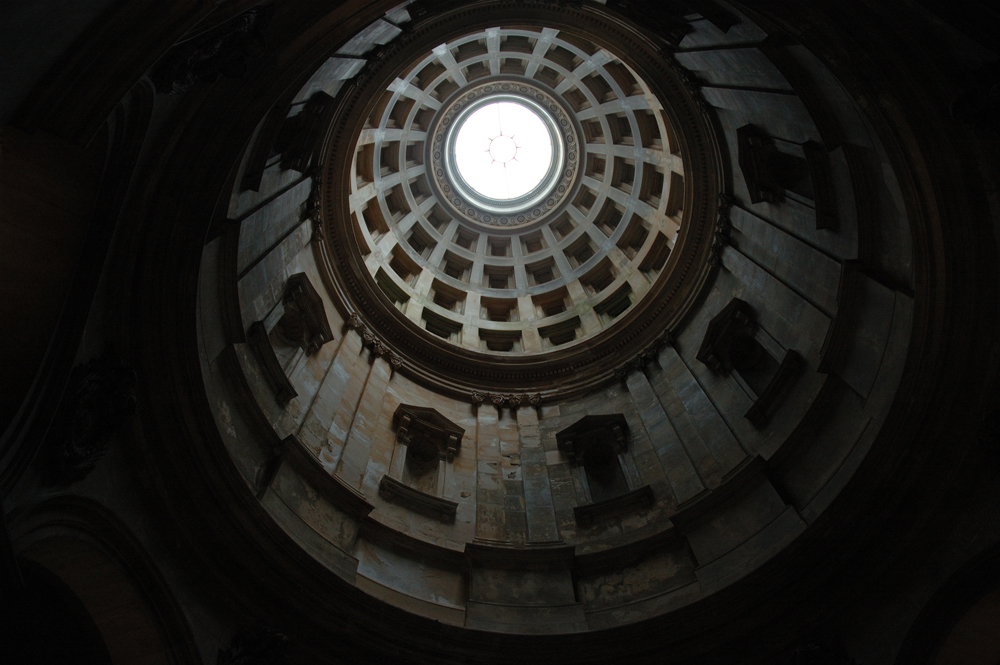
x: 396, y: 492
x: 426, y: 429
x: 509, y: 400
x: 342, y: 495
x: 464, y: 203
x: 494, y: 554
x: 644, y: 357
x: 225, y: 50
x: 626, y: 504
x: 370, y: 339
x: 274, y: 374
x: 100, y: 397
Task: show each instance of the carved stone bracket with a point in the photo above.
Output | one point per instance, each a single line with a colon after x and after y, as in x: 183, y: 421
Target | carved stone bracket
x: 419, y: 502
x: 500, y: 400
x: 370, y: 339
x: 648, y: 354
x: 99, y: 399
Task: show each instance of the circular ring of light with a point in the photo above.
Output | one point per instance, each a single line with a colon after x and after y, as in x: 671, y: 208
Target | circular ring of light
x: 518, y: 203
x: 545, y: 197
x: 503, y: 150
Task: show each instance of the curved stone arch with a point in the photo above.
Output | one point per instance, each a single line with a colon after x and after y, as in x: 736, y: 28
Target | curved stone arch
x: 96, y: 555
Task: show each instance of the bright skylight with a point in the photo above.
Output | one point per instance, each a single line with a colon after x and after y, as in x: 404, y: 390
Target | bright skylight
x: 503, y: 150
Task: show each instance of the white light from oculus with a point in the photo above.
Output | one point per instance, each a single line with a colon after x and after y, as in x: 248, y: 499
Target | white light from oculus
x: 503, y: 150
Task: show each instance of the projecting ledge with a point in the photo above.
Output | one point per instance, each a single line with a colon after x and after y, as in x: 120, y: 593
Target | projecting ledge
x: 619, y: 506
x: 396, y: 492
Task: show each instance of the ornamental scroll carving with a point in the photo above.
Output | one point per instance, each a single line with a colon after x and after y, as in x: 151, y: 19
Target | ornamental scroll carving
x: 369, y: 338
x: 510, y: 400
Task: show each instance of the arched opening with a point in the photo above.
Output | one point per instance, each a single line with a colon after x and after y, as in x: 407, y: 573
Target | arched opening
x: 47, y: 623
x: 95, y: 608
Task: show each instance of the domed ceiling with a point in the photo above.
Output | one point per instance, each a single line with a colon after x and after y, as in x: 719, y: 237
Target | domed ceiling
x: 553, y: 264
x: 567, y: 395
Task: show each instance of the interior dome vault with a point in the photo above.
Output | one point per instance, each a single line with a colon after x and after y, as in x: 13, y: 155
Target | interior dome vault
x: 547, y: 293
x: 711, y: 388
x: 464, y: 462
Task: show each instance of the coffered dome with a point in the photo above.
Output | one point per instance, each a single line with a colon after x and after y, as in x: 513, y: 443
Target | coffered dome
x: 506, y: 331
x: 557, y: 261
x: 553, y: 396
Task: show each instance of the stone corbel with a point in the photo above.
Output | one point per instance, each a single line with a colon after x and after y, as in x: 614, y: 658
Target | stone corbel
x: 314, y: 213
x: 720, y: 237
x: 639, y: 361
x: 501, y: 400
x: 368, y: 337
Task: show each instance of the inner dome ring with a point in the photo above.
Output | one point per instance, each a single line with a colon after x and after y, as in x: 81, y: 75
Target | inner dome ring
x: 554, y: 188
x: 519, y: 203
